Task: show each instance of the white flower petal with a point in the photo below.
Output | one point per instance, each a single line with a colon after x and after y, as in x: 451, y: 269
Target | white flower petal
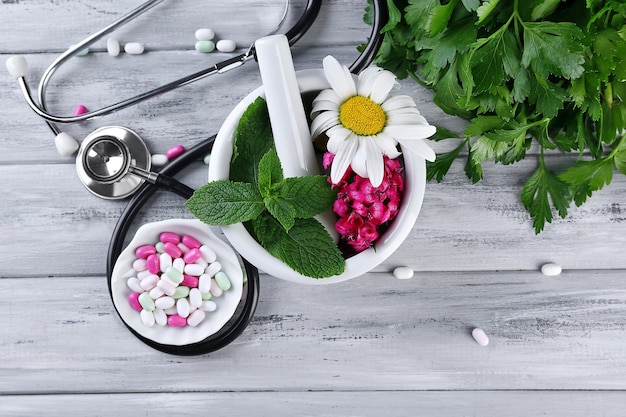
x: 324, y: 121
x: 383, y: 84
x: 366, y: 79
x: 405, y: 119
x: 375, y: 163
x: 336, y: 136
x: 387, y: 145
x: 342, y: 159
x: 323, y: 105
x: 398, y: 102
x: 418, y: 147
x: 328, y: 95
x: 359, y: 160
x: 339, y: 77
x: 400, y: 132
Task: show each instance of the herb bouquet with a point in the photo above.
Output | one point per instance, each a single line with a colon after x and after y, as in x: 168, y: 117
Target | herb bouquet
x: 545, y: 72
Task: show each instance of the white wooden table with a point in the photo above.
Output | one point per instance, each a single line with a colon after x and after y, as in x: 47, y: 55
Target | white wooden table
x: 370, y: 346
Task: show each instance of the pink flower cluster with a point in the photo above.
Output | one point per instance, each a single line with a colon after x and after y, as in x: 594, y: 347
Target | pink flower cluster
x: 364, y: 210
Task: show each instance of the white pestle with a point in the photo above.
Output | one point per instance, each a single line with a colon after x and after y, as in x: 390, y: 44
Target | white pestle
x: 287, y: 116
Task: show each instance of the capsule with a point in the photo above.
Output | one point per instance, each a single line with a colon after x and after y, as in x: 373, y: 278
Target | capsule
x: 134, y: 48
x: 226, y: 45
x: 196, y: 318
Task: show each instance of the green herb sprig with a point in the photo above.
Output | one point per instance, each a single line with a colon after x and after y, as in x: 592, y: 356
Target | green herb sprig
x: 279, y: 211
x: 548, y: 72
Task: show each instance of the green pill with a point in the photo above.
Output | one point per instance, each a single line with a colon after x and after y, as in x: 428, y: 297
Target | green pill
x: 174, y: 275
x: 222, y: 281
x: 180, y: 292
x: 146, y: 301
x: 205, y: 46
x: 206, y: 296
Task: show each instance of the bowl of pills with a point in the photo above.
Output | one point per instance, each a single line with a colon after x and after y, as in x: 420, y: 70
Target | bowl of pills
x: 176, y: 283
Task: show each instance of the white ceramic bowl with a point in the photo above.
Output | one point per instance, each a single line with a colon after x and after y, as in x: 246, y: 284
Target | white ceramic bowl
x: 148, y: 234
x: 415, y: 184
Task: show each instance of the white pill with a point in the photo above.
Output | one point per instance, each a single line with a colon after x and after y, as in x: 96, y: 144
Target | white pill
x: 195, y: 298
x: 204, y: 283
x: 196, y: 318
x: 147, y: 318
x: 208, y: 254
x: 140, y: 265
x: 226, y: 45
x: 551, y: 269
x: 66, y: 144
x: 205, y: 34
x: 480, y: 337
x: 156, y: 292
x: 213, y: 269
x: 165, y: 261
x: 149, y: 282
x: 403, y: 272
x: 183, y: 247
x: 182, y: 307
x: 166, y: 286
x: 160, y: 317
x: 170, y: 311
x: 208, y: 305
x: 142, y: 274
x: 133, y: 284
x: 179, y: 264
x: 194, y: 269
x: 134, y: 48
x: 159, y: 160
x: 113, y: 47
x: 204, y: 264
x: 164, y: 302
x: 215, y: 289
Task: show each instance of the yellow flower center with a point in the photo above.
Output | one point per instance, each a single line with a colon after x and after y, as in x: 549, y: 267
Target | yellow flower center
x: 362, y: 116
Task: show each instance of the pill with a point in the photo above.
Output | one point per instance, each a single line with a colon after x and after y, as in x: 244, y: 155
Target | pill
x: 153, y: 264
x: 213, y: 269
x: 226, y: 45
x: 204, y: 34
x: 181, y: 292
x: 159, y: 247
x: 480, y: 337
x: 82, y: 52
x: 133, y: 284
x: 208, y: 306
x: 80, y: 109
x: 149, y: 282
x: 142, y: 274
x: 134, y: 48
x: 551, y: 269
x: 191, y: 242
x: 174, y: 275
x: 205, y: 46
x: 170, y: 237
x: 113, y: 47
x: 160, y: 317
x: 215, y: 289
x: 66, y: 144
x: 176, y: 321
x: 202, y: 263
x: 196, y: 318
x: 204, y: 283
x: 140, y: 265
x: 165, y: 261
x: 183, y: 248
x: 194, y: 269
x: 222, y: 281
x: 166, y: 286
x: 175, y: 151
x: 182, y: 307
x: 146, y: 301
x: 172, y: 249
x: 403, y: 272
x: 190, y: 281
x: 145, y: 251
x: 147, y: 318
x: 164, y: 302
x: 156, y: 292
x: 158, y: 160
x: 207, y: 159
x: 133, y: 299
x: 178, y: 264
x: 195, y: 297
x: 170, y: 311
x: 206, y: 295
x: 208, y: 254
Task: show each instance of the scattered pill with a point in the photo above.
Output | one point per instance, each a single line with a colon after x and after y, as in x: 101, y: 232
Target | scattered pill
x: 205, y: 34
x: 159, y: 160
x: 80, y: 109
x: 66, y: 144
x: 113, y: 47
x: 226, y: 45
x: 480, y: 337
x: 207, y: 159
x: 134, y: 48
x: 205, y: 46
x: 82, y: 52
x: 551, y: 269
x: 174, y: 152
x: 403, y: 272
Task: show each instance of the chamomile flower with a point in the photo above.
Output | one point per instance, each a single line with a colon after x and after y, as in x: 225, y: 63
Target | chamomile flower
x: 363, y: 123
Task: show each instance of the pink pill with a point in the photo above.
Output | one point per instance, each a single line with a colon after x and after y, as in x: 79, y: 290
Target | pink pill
x: 153, y: 263
x: 191, y: 242
x: 190, y: 281
x: 192, y: 256
x: 176, y: 321
x: 170, y: 237
x: 80, y: 109
x: 175, y: 151
x: 144, y: 251
x: 173, y: 250
x: 133, y: 299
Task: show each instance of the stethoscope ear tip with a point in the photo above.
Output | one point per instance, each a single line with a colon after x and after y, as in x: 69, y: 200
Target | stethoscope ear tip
x: 17, y: 66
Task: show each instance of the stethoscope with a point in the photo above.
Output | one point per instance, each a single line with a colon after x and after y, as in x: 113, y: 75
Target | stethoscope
x: 113, y: 162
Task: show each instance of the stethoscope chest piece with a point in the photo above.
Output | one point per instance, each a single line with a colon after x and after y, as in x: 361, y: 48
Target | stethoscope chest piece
x: 105, y: 159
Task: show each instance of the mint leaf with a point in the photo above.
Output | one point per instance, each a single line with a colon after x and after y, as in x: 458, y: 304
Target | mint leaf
x: 310, y: 195
x: 247, y: 153
x: 282, y: 211
x: 307, y: 248
x: 270, y: 173
x: 224, y: 202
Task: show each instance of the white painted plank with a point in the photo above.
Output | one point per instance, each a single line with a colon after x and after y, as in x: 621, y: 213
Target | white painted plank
x: 324, y: 404
x: 61, y: 335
